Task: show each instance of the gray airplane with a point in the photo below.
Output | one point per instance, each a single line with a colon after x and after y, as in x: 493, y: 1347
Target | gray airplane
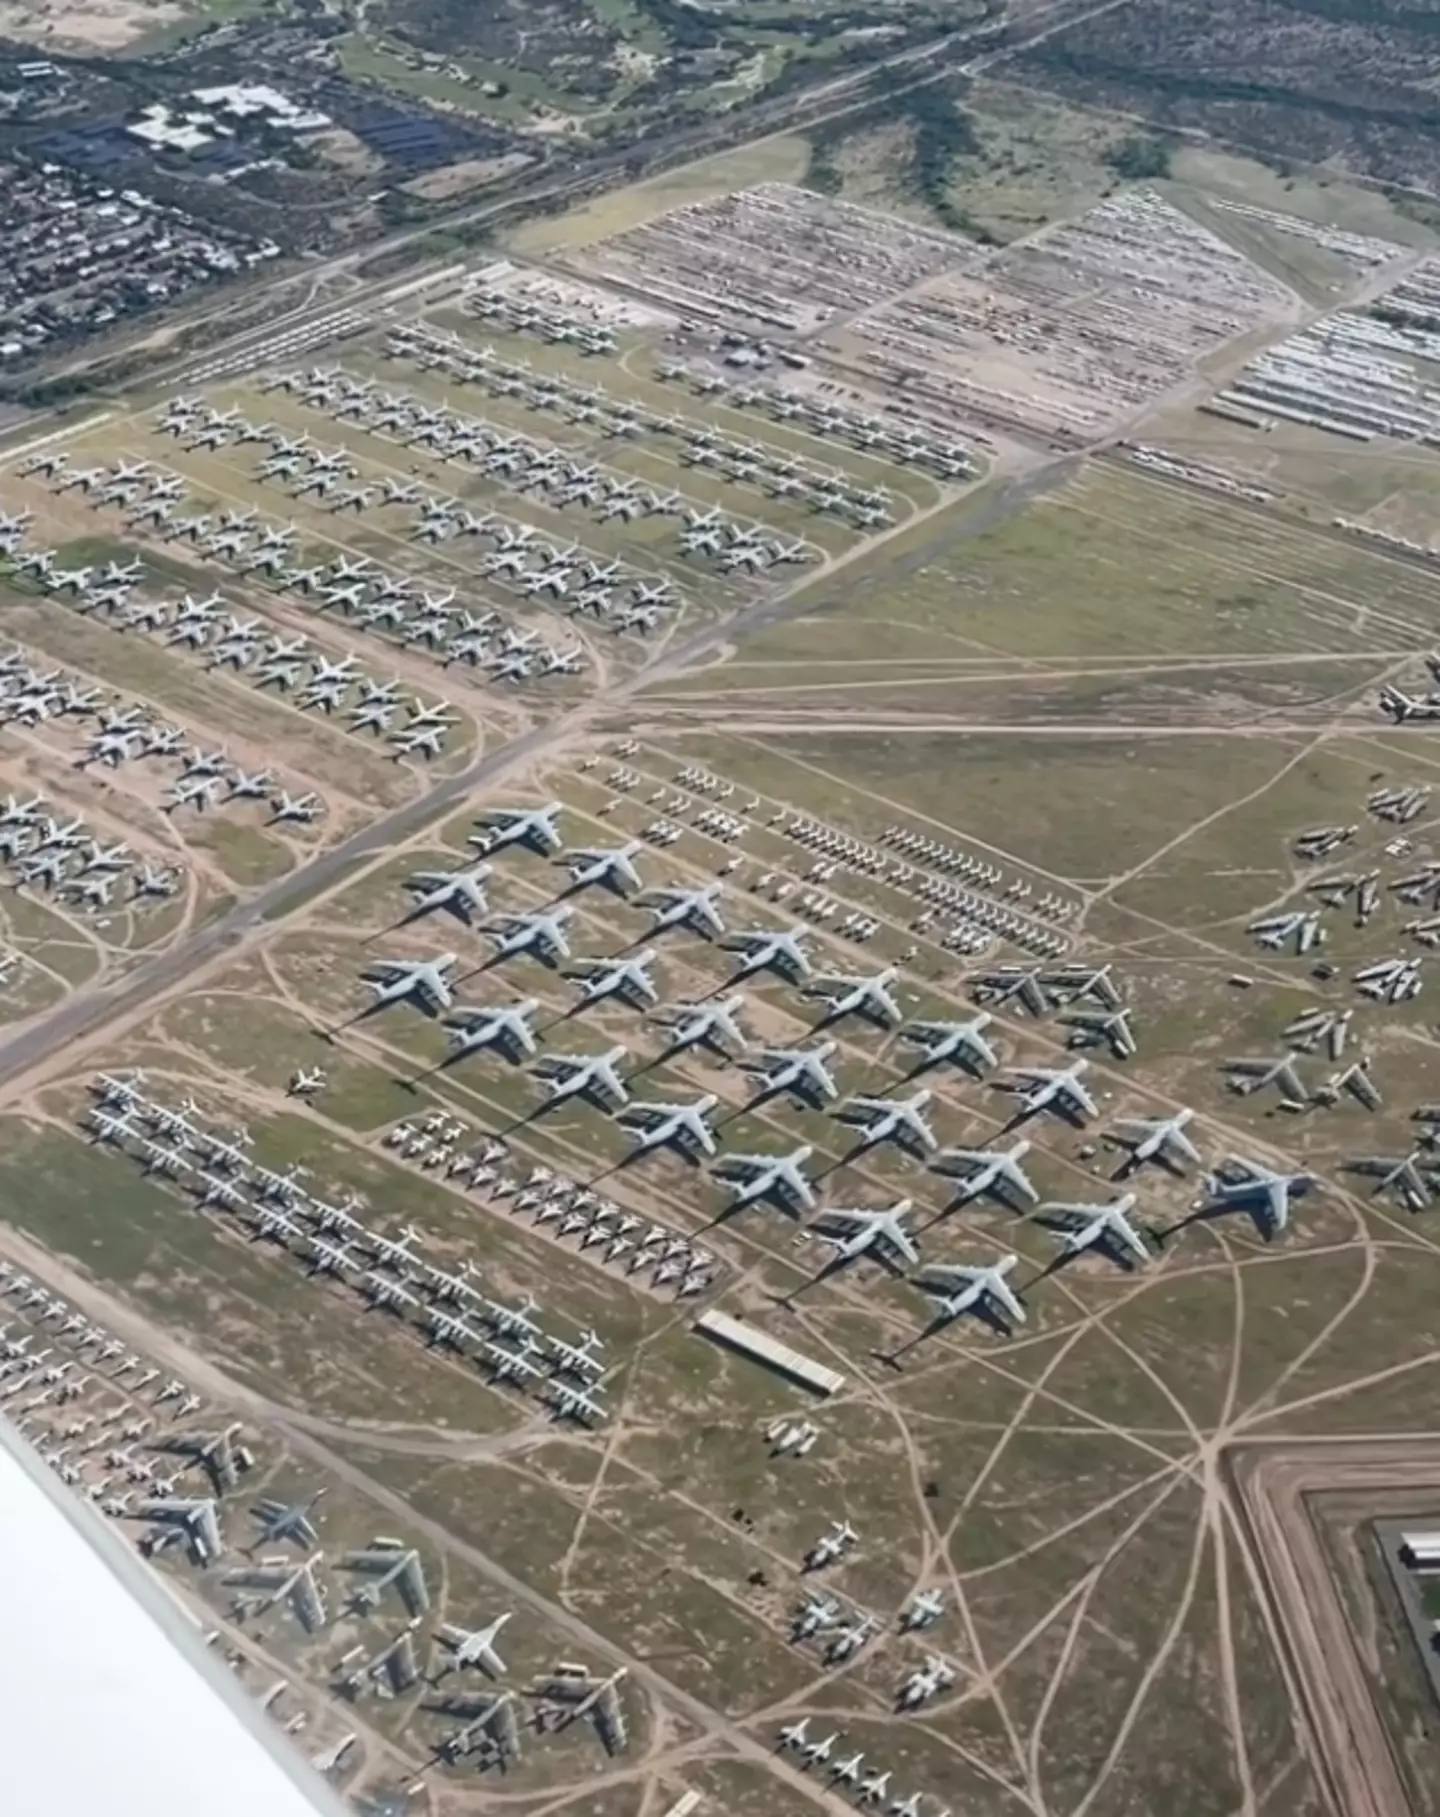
x: 1155, y: 1139
x: 898, y: 1120
x: 1105, y: 1227
x: 988, y: 1170
x: 686, y: 1126
x: 586, y: 1076
x: 507, y: 1027
x: 1058, y: 1088
x: 628, y: 979
x: 1248, y: 1184
x: 542, y: 935
x: 692, y: 909
x: 962, y: 1043
x: 801, y: 1070
x: 713, y: 1025
x: 522, y: 826
x: 610, y: 866
x: 458, y: 893
x: 959, y: 1290
x: 1248, y: 1076
x: 767, y: 949
x: 475, y: 1646
x: 847, y: 995
x: 780, y: 1178
x: 423, y: 982
x: 288, y: 1520
x: 856, y: 1232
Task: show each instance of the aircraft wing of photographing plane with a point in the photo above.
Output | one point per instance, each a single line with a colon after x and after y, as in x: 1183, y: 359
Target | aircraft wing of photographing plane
x: 476, y: 1646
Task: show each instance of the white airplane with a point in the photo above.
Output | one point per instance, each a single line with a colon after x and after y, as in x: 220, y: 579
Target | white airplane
x: 305, y: 1084
x: 982, y: 1170
x: 1041, y: 1087
x: 507, y: 1027
x: 959, y: 1289
x: 764, y: 949
x: 426, y: 982
x: 476, y: 1646
x: 657, y: 1125
x: 582, y: 1075
x: 898, y: 1120
x: 612, y: 866
x: 1247, y: 1183
x: 714, y: 1025
x: 522, y: 826
x: 963, y: 1043
x: 856, y: 1232
x: 1154, y: 1138
x: 460, y: 893
x: 543, y: 935
x: 801, y: 1070
x: 693, y: 909
x: 769, y: 1176
x: 848, y: 995
x: 628, y: 979
x: 1106, y: 1227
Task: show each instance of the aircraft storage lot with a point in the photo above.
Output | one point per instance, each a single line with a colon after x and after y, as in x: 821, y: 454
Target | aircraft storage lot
x: 1078, y: 780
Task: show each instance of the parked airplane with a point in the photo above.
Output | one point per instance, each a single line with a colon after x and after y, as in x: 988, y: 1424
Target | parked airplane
x: 801, y: 1070
x: 282, y: 1520
x: 777, y: 1177
x: 859, y: 1232
x: 1248, y: 1076
x: 693, y: 909
x: 963, y: 1043
x: 869, y: 997
x: 984, y: 1170
x: 898, y: 1120
x: 475, y: 1646
x: 1153, y: 1139
x: 522, y: 826
x: 658, y: 1125
x: 628, y: 979
x: 1106, y: 1227
x: 960, y: 1289
x: 1244, y: 1183
x: 611, y: 866
x: 586, y: 1076
x: 766, y: 949
x: 541, y: 934
x: 459, y: 893
x: 1045, y: 1087
x: 424, y: 982
x: 713, y: 1025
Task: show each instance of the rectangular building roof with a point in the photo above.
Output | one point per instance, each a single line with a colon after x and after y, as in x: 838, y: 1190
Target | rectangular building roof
x: 112, y: 1702
x: 735, y: 1334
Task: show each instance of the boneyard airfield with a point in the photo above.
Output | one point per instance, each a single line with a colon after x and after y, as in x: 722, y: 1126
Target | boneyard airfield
x: 729, y: 922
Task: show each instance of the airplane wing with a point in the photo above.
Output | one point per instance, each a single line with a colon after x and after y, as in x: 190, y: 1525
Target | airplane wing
x: 1277, y: 1198
x: 1129, y: 1236
x: 1015, y: 1175
x: 999, y: 1289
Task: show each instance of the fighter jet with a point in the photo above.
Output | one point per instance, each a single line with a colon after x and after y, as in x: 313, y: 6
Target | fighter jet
x: 765, y: 949
x: 1106, y: 1227
x: 424, y: 982
x: 692, y: 909
x: 713, y: 1025
x: 657, y: 1125
x: 282, y: 1520
x: 963, y: 1043
x: 459, y: 893
x: 983, y: 1170
x: 475, y: 1646
x: 522, y: 826
x: 801, y: 1070
x: 586, y: 1076
x: 542, y: 935
x: 857, y: 1232
x: 959, y: 1289
x: 610, y: 866
x: 898, y: 1120
x: 776, y: 1177
x: 1045, y: 1087
x: 855, y: 996
x: 1153, y: 1138
x: 506, y: 1027
x: 628, y: 979
x: 1242, y: 1183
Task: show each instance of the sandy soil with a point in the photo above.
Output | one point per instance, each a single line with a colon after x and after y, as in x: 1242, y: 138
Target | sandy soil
x: 89, y: 24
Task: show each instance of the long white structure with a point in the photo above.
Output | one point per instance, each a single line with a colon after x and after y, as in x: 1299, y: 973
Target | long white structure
x: 112, y: 1701
x: 735, y: 1334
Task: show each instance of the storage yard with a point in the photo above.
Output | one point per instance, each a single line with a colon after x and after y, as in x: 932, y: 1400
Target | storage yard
x: 712, y: 982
